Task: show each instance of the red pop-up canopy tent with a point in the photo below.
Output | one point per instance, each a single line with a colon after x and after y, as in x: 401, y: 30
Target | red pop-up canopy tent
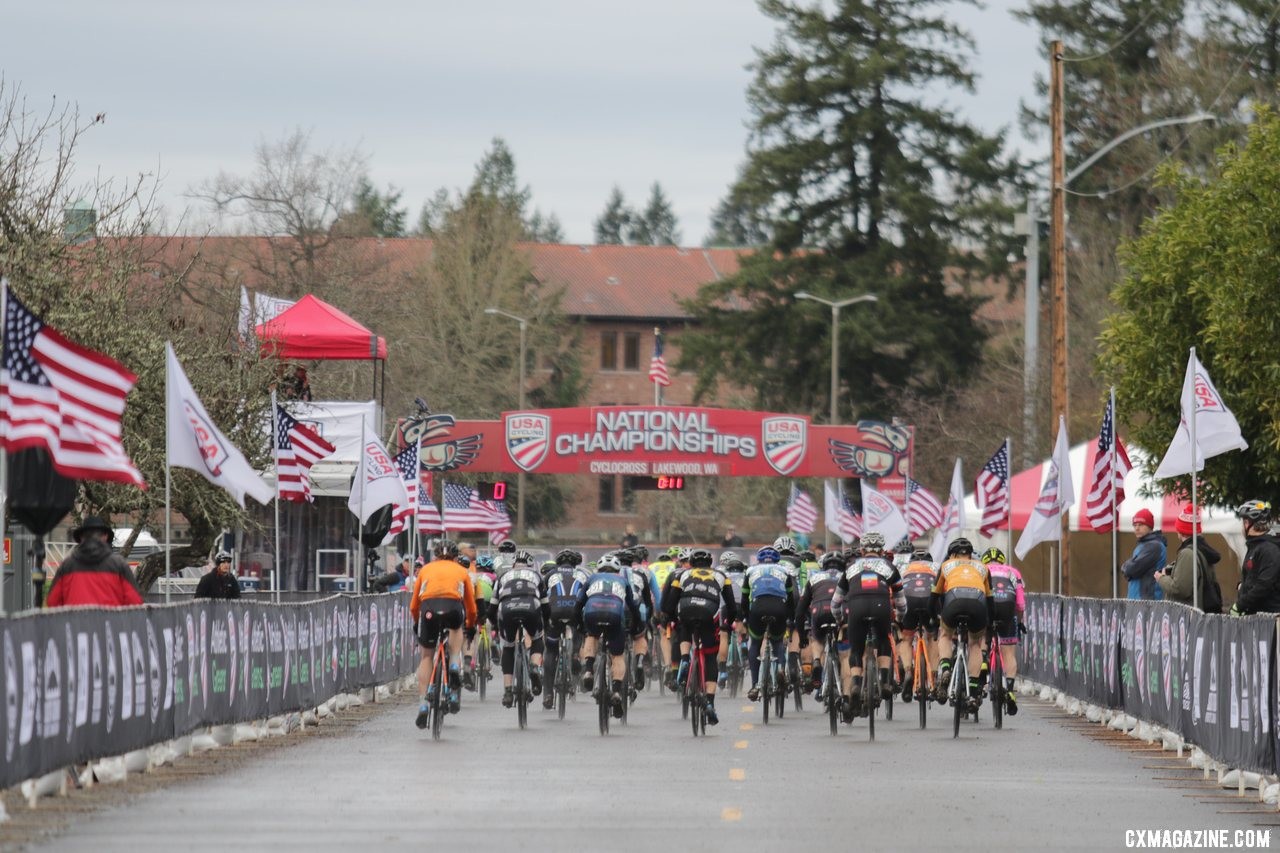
x: 314, y: 330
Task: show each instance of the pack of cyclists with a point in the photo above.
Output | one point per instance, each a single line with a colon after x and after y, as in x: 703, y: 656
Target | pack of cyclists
x: 803, y: 607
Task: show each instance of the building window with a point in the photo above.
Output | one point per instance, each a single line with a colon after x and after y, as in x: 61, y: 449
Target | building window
x: 628, y: 495
x: 606, y: 502
x: 608, y: 350
x: 631, y: 351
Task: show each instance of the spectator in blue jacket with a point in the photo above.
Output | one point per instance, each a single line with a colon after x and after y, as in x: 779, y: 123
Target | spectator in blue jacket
x: 1148, y: 556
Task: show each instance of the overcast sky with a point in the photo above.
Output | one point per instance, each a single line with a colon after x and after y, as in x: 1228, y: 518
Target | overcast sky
x: 587, y: 94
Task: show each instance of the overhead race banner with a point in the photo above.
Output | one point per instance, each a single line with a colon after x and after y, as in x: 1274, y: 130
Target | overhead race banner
x: 1210, y: 679
x: 87, y: 683
x: 651, y: 441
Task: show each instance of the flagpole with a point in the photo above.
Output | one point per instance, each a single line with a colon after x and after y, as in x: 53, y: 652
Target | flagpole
x: 417, y: 505
x: 1195, y: 510
x: 4, y: 457
x: 275, y: 452
x: 360, y: 478
x: 168, y: 486
x: 1008, y: 441
x: 1115, y: 506
x: 657, y: 386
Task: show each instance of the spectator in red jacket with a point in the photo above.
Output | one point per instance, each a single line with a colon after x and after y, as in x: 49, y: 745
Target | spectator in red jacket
x: 93, y: 574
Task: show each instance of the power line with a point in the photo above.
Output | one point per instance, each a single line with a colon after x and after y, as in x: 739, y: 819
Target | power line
x: 1155, y: 7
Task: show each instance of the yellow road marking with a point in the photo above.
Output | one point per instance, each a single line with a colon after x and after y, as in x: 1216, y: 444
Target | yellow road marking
x: 737, y: 774
x: 746, y: 727
x: 740, y: 744
x: 747, y: 709
x: 730, y: 814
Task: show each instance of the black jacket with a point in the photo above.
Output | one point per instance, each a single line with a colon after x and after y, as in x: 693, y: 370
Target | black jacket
x: 1260, y: 576
x: 214, y: 585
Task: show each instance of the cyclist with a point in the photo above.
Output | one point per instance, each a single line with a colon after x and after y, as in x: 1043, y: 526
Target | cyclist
x: 443, y: 599
x: 698, y: 596
x: 520, y: 593
x: 768, y: 596
x: 817, y: 609
x: 732, y: 567
x: 963, y: 589
x: 868, y: 586
x: 915, y: 613
x: 604, y: 605
x: 1008, y: 603
x: 506, y: 557
x: 560, y: 586
x: 642, y: 587
x: 681, y: 557
x: 482, y: 579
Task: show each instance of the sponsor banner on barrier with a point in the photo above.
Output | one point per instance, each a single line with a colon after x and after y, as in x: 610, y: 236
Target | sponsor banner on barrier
x: 87, y: 683
x: 1210, y: 679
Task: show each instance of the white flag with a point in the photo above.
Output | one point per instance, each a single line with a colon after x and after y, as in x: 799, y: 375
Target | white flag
x: 881, y: 514
x: 377, y: 482
x: 1056, y: 497
x: 952, y: 518
x: 196, y: 443
x: 830, y: 516
x: 1216, y: 428
x: 245, y: 324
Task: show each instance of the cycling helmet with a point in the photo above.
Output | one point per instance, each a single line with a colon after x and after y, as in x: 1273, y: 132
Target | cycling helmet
x: 485, y: 563
x: 223, y: 557
x: 464, y: 561
x: 872, y: 541
x: 523, y: 558
x: 609, y: 563
x: 683, y: 556
x: 922, y: 554
x: 992, y: 555
x: 808, y: 556
x: 960, y: 546
x: 785, y: 545
x: 642, y: 553
x: 791, y: 560
x: 831, y: 561
x: 700, y: 558
x: 673, y: 552
x: 507, y: 546
x: 1256, y: 512
x: 446, y: 549
x: 549, y: 566
x: 904, y: 546
x: 767, y: 555
x: 731, y: 562
x: 569, y: 557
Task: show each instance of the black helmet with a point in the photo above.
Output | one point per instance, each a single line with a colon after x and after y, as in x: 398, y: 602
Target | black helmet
x: 642, y: 553
x: 832, y: 560
x: 791, y: 560
x: 464, y: 561
x: 808, y: 556
x: 960, y: 546
x: 1256, y: 512
x: 627, y: 556
x: 700, y: 558
x: 446, y: 549
x: 507, y: 546
x: 568, y: 557
x: 904, y: 546
x: 523, y: 558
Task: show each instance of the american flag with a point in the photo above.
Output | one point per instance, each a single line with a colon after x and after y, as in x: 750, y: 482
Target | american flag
x: 993, y: 490
x: 429, y: 520
x: 501, y: 521
x: 463, y: 510
x: 802, y: 515
x: 298, y: 447
x: 407, y: 464
x: 658, y: 364
x: 849, y: 521
x: 923, y: 509
x: 1106, y: 492
x: 63, y: 397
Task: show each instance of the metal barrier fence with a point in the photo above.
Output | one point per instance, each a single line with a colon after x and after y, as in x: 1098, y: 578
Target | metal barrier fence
x: 1208, y: 678
x: 86, y: 683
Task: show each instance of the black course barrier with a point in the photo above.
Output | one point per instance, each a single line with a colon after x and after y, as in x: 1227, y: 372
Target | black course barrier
x: 1208, y: 678
x: 85, y: 683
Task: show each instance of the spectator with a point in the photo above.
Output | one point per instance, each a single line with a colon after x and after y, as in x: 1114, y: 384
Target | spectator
x: 1260, y: 573
x: 1149, y: 556
x: 218, y: 582
x: 818, y: 550
x: 93, y: 574
x: 297, y: 386
x: 394, y: 580
x: 629, y: 539
x: 731, y: 539
x: 466, y: 549
x: 1178, y: 581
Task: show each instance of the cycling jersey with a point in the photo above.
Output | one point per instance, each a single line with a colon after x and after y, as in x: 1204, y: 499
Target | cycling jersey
x: 874, y: 576
x: 735, y: 580
x: 444, y: 579
x: 519, y: 582
x: 483, y: 582
x: 661, y: 570
x: 767, y: 580
x: 696, y: 595
x: 561, y: 592
x: 820, y: 595
x: 962, y: 573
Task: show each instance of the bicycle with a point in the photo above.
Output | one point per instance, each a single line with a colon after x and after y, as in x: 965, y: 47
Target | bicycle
x: 734, y: 666
x: 520, y: 679
x: 995, y: 678
x: 830, y: 693
x: 563, y: 684
x: 770, y: 686
x: 483, y: 661
x: 959, y: 684
x: 922, y: 675
x: 870, y: 678
x: 628, y: 682
x: 604, y: 695
x: 796, y: 677
x: 437, y: 686
x: 694, y: 687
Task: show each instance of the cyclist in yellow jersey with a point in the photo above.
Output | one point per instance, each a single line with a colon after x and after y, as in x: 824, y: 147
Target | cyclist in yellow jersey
x: 962, y: 590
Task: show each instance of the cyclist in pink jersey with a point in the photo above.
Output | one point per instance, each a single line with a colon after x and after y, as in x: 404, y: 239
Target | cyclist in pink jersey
x: 1009, y: 597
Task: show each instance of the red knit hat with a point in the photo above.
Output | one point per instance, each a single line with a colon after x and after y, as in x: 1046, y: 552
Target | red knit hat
x: 1144, y: 516
x: 1188, y: 520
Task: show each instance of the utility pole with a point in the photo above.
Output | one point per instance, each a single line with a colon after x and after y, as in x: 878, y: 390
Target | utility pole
x: 1058, y: 266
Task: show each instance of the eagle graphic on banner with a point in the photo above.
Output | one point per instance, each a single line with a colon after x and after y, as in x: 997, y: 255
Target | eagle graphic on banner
x: 440, y: 451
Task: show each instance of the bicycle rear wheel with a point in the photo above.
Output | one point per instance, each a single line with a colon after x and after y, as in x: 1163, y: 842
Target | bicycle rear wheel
x: 920, y: 679
x: 439, y: 680
x: 603, y: 702
x: 960, y: 689
x: 996, y: 680
x: 831, y: 693
x: 482, y: 668
x: 870, y: 686
x: 693, y: 689
x: 766, y: 680
x: 521, y: 677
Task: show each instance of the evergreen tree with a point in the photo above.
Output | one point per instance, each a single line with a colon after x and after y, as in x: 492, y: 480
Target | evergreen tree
x: 544, y: 229
x: 377, y: 214
x: 496, y: 182
x: 865, y: 185
x: 614, y: 223
x: 656, y: 225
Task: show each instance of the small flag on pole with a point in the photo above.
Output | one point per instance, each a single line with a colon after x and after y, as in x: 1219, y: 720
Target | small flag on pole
x: 923, y: 509
x: 882, y: 515
x: 993, y: 490
x: 407, y: 464
x: 1217, y: 430
x: 1056, y: 497
x: 802, y: 515
x: 1106, y: 492
x: 658, y: 364
x: 953, y: 519
x: 298, y: 447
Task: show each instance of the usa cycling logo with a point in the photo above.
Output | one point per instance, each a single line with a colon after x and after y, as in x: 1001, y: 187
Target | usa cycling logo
x: 785, y: 440
x: 528, y: 439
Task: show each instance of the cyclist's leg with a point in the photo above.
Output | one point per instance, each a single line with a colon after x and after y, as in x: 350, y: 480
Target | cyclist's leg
x: 551, y: 657
x: 884, y: 658
x: 755, y: 630
x: 640, y: 649
x: 533, y: 629
x: 615, y: 641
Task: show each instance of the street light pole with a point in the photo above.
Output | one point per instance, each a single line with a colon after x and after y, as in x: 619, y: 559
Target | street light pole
x: 835, y: 349
x: 520, y: 481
